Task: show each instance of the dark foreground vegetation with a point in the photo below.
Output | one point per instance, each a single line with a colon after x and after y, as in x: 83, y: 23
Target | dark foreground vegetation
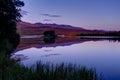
x: 11, y: 70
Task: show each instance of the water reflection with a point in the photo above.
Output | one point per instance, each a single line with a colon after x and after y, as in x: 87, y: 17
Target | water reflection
x: 116, y: 39
x: 48, y: 55
x: 19, y: 57
x: 40, y: 42
x: 47, y: 50
x: 101, y: 54
x: 49, y: 40
x: 110, y: 38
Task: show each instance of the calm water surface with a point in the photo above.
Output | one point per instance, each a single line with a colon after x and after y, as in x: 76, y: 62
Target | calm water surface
x: 103, y: 55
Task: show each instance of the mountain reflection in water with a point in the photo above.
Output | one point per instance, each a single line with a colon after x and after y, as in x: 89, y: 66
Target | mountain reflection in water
x: 64, y: 41
x: 101, y: 54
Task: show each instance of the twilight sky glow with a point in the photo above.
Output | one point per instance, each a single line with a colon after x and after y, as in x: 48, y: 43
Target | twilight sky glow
x: 89, y: 14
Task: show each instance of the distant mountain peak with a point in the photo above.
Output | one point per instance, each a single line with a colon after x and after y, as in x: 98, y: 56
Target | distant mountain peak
x: 58, y: 25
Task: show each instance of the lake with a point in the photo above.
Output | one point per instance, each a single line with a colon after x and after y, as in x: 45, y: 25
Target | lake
x: 103, y: 55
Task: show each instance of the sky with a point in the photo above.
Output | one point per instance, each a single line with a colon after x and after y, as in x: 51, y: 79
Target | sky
x: 88, y: 14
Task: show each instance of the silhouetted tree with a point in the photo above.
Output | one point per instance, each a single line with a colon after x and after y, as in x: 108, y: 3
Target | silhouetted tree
x: 49, y: 36
x: 9, y: 16
x: 49, y: 33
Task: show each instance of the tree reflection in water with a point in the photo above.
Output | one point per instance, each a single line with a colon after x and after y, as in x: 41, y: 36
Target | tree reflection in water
x: 49, y: 36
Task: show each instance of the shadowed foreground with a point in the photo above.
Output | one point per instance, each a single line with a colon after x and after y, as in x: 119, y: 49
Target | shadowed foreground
x: 11, y: 70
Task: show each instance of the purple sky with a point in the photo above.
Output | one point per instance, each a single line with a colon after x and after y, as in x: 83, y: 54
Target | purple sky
x: 89, y: 14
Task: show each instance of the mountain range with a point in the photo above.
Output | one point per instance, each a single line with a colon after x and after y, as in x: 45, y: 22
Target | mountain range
x: 25, y: 28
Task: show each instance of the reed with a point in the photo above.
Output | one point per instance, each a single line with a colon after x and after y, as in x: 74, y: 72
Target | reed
x: 11, y: 70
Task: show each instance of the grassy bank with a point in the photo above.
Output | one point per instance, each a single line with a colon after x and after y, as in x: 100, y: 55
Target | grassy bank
x: 10, y: 70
